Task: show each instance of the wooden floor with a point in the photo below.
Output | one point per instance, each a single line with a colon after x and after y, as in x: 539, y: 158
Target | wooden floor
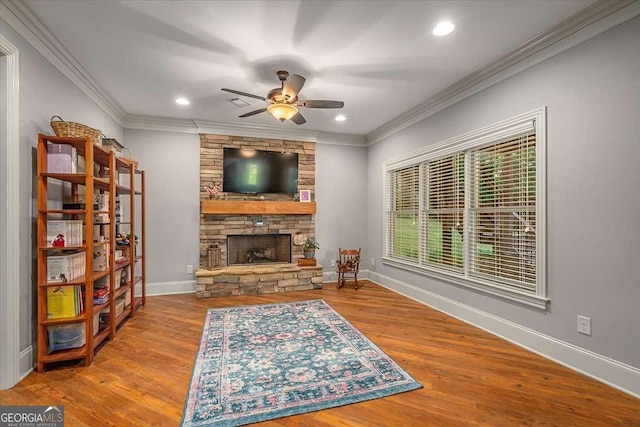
x: 470, y: 377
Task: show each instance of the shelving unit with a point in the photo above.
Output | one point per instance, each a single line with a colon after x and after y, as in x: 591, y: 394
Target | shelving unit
x: 102, y: 175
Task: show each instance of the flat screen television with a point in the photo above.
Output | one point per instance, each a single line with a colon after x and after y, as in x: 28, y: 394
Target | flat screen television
x: 255, y: 171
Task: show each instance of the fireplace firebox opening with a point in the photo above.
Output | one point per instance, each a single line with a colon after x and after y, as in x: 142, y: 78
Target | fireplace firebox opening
x: 245, y: 249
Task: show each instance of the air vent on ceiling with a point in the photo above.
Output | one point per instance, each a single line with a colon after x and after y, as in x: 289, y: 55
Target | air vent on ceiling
x: 238, y: 102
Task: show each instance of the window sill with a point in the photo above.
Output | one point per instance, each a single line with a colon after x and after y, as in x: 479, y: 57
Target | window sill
x: 534, y: 301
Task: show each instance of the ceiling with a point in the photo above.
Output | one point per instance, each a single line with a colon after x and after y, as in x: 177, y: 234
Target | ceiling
x: 379, y: 57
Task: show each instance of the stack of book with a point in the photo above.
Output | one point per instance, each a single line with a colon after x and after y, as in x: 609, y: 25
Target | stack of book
x: 64, y: 268
x: 63, y: 233
x: 100, y: 295
x: 64, y: 301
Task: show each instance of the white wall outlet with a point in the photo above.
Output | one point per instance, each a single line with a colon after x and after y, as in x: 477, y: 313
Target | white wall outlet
x: 584, y: 325
x: 189, y: 269
x: 373, y: 261
x: 333, y: 262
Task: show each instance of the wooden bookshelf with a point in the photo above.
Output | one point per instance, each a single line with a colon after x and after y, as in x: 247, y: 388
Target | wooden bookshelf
x: 76, y: 187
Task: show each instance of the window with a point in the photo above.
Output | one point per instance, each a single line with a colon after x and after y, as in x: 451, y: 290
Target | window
x: 403, y: 215
x: 470, y: 210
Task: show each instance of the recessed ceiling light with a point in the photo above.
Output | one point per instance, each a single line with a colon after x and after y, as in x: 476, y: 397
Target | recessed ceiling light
x: 182, y: 101
x: 443, y: 28
x: 340, y: 118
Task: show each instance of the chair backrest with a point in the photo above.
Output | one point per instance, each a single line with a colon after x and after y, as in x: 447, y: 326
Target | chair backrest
x: 349, y: 258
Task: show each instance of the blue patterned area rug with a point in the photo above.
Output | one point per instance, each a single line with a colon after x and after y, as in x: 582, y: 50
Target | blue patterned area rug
x: 261, y: 362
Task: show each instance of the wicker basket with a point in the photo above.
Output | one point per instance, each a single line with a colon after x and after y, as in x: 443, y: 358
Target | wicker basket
x: 129, y: 160
x: 75, y: 130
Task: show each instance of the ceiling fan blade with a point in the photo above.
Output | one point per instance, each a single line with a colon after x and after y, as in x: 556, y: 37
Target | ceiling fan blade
x: 253, y: 113
x: 320, y: 104
x: 292, y: 86
x: 298, y: 119
x: 237, y: 92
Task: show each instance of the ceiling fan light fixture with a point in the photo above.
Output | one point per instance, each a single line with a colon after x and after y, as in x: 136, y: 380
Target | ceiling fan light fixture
x: 282, y: 112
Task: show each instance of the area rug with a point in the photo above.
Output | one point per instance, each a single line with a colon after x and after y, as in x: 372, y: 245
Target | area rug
x: 261, y: 362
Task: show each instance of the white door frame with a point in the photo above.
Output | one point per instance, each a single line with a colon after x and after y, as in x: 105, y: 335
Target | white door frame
x: 9, y: 223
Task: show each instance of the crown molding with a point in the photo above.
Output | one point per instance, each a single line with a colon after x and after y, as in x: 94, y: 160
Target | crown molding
x: 27, y: 25
x: 256, y: 131
x: 332, y: 138
x: 594, y: 20
x: 157, y: 123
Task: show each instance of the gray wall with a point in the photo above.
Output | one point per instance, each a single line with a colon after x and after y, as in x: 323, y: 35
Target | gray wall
x: 592, y: 92
x: 171, y: 162
x: 341, y: 192
x: 44, y: 92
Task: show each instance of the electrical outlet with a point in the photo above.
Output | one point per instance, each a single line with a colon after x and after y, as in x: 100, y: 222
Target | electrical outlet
x: 333, y: 262
x: 189, y: 269
x: 584, y: 325
x: 373, y: 261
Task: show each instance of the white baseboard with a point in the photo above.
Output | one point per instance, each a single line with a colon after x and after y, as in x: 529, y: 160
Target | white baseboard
x: 623, y: 377
x: 169, y: 288
x: 25, y: 361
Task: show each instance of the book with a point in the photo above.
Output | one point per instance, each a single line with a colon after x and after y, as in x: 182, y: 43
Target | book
x: 61, y: 233
x: 79, y: 300
x: 101, y: 300
x: 100, y: 292
x: 58, y: 234
x: 61, y: 301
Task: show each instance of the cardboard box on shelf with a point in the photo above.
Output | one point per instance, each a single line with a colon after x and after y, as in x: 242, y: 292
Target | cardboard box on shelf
x: 127, y: 298
x: 96, y: 324
x: 106, y: 312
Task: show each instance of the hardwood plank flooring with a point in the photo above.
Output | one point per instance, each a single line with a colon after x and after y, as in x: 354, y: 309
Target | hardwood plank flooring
x: 470, y: 377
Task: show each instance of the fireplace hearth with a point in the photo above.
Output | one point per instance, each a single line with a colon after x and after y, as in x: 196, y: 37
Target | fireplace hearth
x: 251, y: 249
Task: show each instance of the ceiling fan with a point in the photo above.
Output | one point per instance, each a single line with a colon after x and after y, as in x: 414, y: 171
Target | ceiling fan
x: 283, y: 101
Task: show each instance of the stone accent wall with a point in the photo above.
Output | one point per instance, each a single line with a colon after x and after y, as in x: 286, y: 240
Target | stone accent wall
x: 211, y: 149
x: 215, y: 228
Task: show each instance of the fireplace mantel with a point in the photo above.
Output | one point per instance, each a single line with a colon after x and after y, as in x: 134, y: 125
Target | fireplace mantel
x: 232, y: 207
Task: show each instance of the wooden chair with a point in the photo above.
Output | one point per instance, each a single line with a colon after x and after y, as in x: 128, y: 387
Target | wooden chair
x: 347, y: 264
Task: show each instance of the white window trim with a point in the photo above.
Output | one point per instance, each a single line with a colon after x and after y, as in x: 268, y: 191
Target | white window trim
x: 533, y: 120
x: 10, y: 248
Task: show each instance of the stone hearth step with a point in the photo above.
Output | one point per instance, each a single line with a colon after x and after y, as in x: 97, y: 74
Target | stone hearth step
x: 258, y: 279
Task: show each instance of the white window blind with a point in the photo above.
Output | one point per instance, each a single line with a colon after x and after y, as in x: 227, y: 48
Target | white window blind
x: 443, y: 213
x: 403, y: 213
x: 470, y: 210
x: 503, y: 212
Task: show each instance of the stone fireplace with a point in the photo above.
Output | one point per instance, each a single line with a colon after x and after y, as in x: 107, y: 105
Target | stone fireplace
x: 258, y: 249
x: 254, y: 233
